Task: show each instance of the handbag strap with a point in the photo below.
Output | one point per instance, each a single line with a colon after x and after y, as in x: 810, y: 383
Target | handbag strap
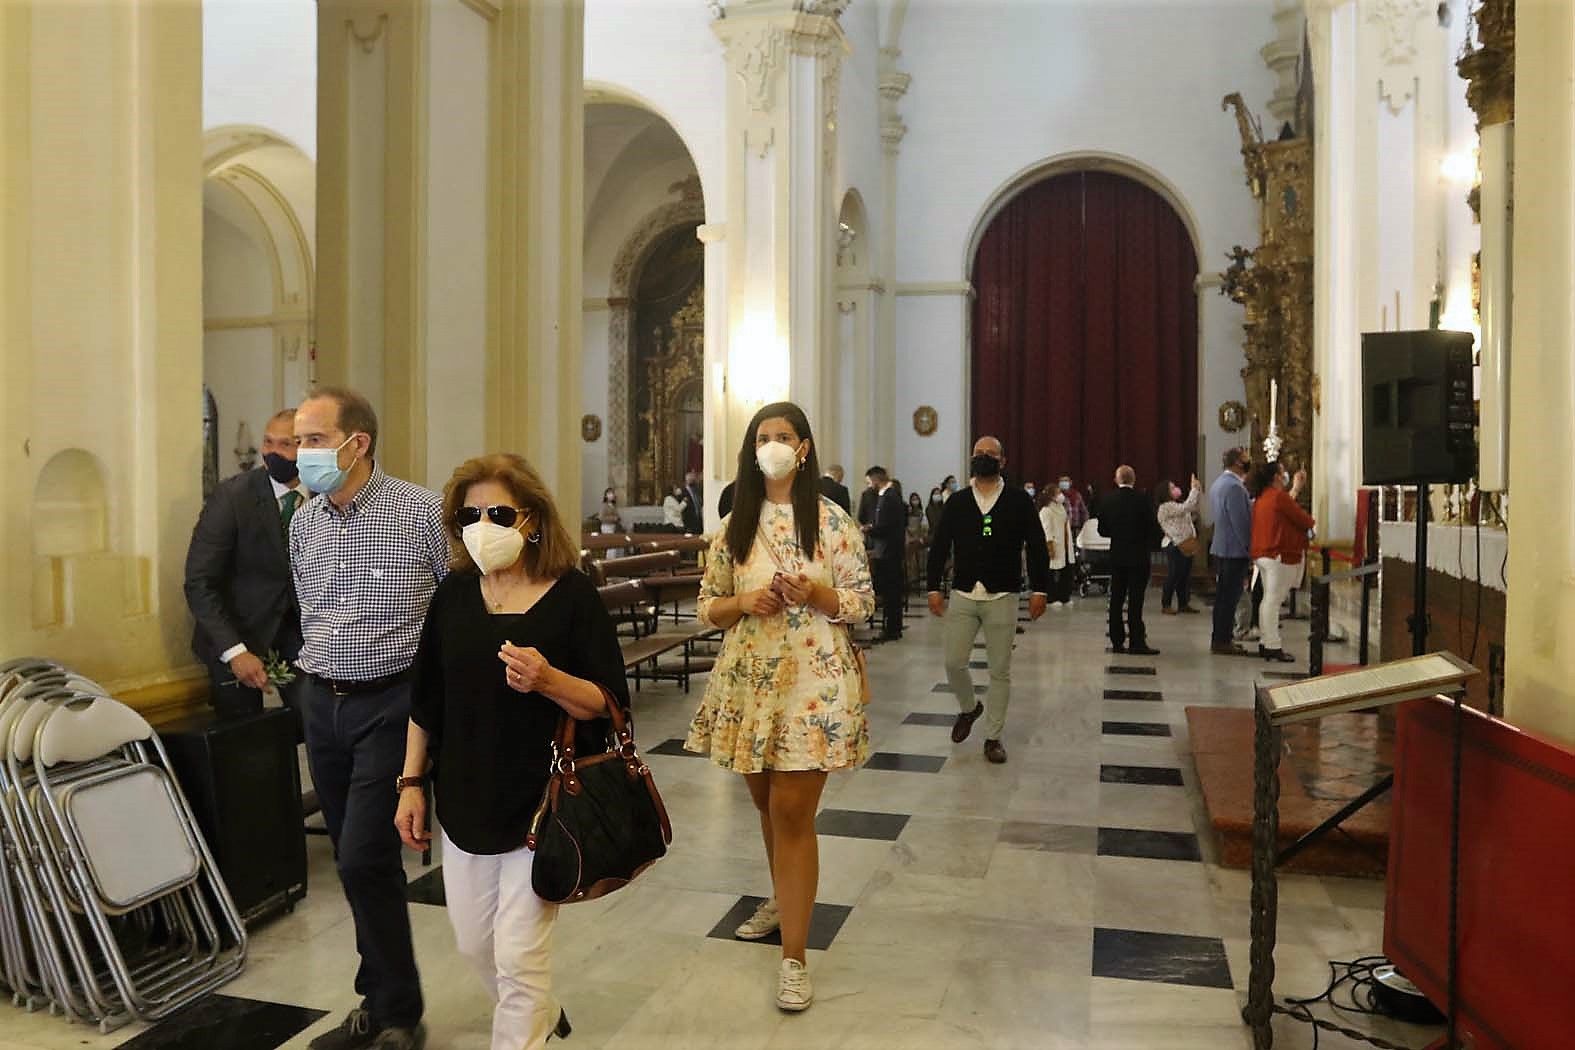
x: 563, y: 744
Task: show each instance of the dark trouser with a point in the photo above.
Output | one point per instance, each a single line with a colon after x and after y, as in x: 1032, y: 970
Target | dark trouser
x: 1179, y: 582
x: 1230, y: 579
x: 889, y: 586
x: 1061, y: 584
x: 356, y: 747
x: 1127, y: 584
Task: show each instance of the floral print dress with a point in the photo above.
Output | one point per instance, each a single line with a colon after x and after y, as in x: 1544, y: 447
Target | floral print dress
x: 785, y: 693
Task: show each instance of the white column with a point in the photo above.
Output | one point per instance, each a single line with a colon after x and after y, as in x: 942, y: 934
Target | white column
x: 1540, y: 662
x: 722, y: 438
x: 893, y: 86
x: 538, y: 185
x: 780, y: 220
x: 101, y: 338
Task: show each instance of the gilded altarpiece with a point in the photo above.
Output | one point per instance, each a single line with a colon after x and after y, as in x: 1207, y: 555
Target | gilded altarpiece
x: 1274, y: 284
x: 667, y: 403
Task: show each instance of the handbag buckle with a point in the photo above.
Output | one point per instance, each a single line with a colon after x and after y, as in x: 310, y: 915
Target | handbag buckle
x: 562, y: 764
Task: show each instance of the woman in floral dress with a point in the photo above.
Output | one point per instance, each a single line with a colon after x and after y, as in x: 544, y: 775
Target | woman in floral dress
x: 784, y: 706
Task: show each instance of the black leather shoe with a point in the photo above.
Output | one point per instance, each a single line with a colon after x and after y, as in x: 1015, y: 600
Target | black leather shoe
x: 994, y: 752
x: 1276, y: 656
x: 354, y: 1032
x: 1143, y: 650
x: 1228, y: 650
x: 1115, y: 648
x: 964, y: 724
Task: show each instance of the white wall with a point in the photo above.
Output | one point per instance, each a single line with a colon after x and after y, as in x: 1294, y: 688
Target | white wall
x: 238, y: 364
x: 259, y: 67
x: 999, y: 87
x: 858, y: 121
x: 664, y: 54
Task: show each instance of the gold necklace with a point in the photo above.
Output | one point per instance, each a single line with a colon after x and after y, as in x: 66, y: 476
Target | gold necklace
x: 495, y: 604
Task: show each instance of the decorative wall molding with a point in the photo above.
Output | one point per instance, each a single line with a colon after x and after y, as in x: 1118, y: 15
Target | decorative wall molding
x: 592, y: 304
x: 936, y: 288
x: 756, y: 55
x: 235, y: 324
x: 1283, y: 57
x: 488, y: 9
x: 1395, y: 21
x: 367, y: 41
x: 874, y: 284
x: 831, y: 91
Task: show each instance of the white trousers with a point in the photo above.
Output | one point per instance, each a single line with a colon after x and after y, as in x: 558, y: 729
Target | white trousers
x: 1278, y: 579
x: 505, y: 930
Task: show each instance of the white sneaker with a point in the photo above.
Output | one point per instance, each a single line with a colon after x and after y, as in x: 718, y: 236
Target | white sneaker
x: 766, y: 921
x: 793, y: 989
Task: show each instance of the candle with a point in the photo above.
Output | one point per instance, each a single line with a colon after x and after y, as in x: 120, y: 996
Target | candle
x: 1274, y: 401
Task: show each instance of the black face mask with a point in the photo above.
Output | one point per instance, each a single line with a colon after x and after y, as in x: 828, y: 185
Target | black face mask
x: 280, y: 469
x: 984, y: 466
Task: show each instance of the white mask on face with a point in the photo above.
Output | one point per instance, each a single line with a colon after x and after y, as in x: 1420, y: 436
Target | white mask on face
x: 776, y: 460
x: 492, y: 547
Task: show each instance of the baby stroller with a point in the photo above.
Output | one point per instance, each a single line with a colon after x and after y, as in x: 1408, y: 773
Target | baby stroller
x: 1093, y: 559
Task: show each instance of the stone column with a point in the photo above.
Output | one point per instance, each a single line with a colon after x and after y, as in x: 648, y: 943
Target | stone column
x: 893, y: 86
x: 538, y: 186
x: 101, y: 338
x: 450, y: 149
x: 1540, y: 662
x: 783, y: 60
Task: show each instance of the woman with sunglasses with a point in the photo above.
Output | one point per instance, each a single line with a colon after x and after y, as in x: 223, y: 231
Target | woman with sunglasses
x: 515, y: 636
x: 786, y: 577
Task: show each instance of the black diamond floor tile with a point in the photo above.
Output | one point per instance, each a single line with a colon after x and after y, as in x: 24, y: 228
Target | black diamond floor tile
x: 926, y: 718
x: 1133, y: 694
x: 229, y: 1022
x: 428, y: 889
x: 1120, y: 669
x: 979, y: 690
x: 1160, y: 776
x: 858, y: 824
x: 1149, y: 845
x: 673, y: 747
x: 1166, y: 958
x: 1136, y: 729
x: 891, y: 760
x: 824, y: 924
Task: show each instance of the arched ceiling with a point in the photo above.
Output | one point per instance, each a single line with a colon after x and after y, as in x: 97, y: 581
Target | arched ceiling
x: 624, y: 143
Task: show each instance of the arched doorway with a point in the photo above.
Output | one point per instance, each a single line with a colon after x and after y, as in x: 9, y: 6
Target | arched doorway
x: 644, y: 340
x: 1084, y: 331
x: 257, y: 258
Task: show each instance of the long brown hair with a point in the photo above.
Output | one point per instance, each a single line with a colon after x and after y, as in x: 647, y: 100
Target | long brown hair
x: 749, y: 488
x: 552, y: 555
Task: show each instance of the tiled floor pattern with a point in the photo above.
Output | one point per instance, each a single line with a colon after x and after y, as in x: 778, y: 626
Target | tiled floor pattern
x: 1063, y: 900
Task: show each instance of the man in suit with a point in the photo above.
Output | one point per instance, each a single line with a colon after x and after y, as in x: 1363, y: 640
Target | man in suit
x: 694, y: 521
x: 238, y: 575
x: 1129, y: 519
x: 832, y: 488
x: 887, y: 542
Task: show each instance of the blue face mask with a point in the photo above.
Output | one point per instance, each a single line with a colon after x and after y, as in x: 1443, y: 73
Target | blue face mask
x: 319, y: 467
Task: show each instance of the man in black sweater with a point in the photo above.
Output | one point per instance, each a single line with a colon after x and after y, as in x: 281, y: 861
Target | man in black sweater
x: 1128, y: 517
x: 986, y: 529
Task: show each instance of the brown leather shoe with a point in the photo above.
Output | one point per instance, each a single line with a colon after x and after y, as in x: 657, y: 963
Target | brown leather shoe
x: 964, y: 724
x: 994, y: 751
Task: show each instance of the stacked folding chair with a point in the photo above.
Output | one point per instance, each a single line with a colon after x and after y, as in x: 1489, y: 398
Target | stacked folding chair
x: 111, y: 908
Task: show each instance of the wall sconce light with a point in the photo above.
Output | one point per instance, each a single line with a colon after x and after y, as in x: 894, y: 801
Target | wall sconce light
x: 1459, y: 167
x: 759, y: 369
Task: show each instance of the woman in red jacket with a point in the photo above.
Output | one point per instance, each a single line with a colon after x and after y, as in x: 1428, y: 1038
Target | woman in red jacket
x: 1279, y: 542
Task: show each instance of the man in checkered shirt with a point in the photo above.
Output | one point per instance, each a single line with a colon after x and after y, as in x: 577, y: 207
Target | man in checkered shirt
x: 366, y: 555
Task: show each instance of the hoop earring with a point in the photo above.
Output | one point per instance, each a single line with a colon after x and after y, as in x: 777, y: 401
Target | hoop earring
x: 534, y: 537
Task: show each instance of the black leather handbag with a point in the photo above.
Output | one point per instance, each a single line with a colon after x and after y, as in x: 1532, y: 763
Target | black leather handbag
x: 601, y: 821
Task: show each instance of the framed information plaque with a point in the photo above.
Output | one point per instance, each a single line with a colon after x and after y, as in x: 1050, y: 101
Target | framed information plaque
x: 1364, y: 687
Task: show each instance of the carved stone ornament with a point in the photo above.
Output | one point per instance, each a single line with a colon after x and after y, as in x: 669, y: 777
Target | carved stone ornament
x: 1233, y: 416
x: 1396, y: 22
x: 591, y: 428
x: 757, y: 55
x: 925, y: 421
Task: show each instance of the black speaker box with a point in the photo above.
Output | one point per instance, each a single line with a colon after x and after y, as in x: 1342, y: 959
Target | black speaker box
x: 241, y: 778
x: 1418, y: 408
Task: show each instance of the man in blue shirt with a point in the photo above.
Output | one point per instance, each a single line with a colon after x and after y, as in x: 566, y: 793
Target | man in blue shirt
x: 1231, y: 547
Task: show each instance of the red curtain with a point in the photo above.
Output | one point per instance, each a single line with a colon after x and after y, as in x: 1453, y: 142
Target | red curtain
x: 1085, y: 332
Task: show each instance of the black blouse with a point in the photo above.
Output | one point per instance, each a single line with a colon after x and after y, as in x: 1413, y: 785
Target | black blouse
x: 491, y: 745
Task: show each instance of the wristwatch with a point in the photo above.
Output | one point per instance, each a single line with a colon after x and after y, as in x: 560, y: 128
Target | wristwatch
x: 402, y: 782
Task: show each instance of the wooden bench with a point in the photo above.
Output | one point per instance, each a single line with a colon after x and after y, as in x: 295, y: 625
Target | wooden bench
x: 629, y: 603
x: 641, y: 657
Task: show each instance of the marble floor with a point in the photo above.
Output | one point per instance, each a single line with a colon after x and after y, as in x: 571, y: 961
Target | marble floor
x: 1064, y: 900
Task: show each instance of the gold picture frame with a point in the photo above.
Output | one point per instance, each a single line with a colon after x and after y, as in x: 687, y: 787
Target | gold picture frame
x: 591, y: 428
x: 1233, y: 416
x: 925, y: 420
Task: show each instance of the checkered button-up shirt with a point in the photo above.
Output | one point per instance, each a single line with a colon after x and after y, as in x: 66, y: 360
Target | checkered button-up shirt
x: 364, y: 576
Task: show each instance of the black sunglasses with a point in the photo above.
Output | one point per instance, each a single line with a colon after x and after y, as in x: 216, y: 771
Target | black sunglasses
x: 498, y: 515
